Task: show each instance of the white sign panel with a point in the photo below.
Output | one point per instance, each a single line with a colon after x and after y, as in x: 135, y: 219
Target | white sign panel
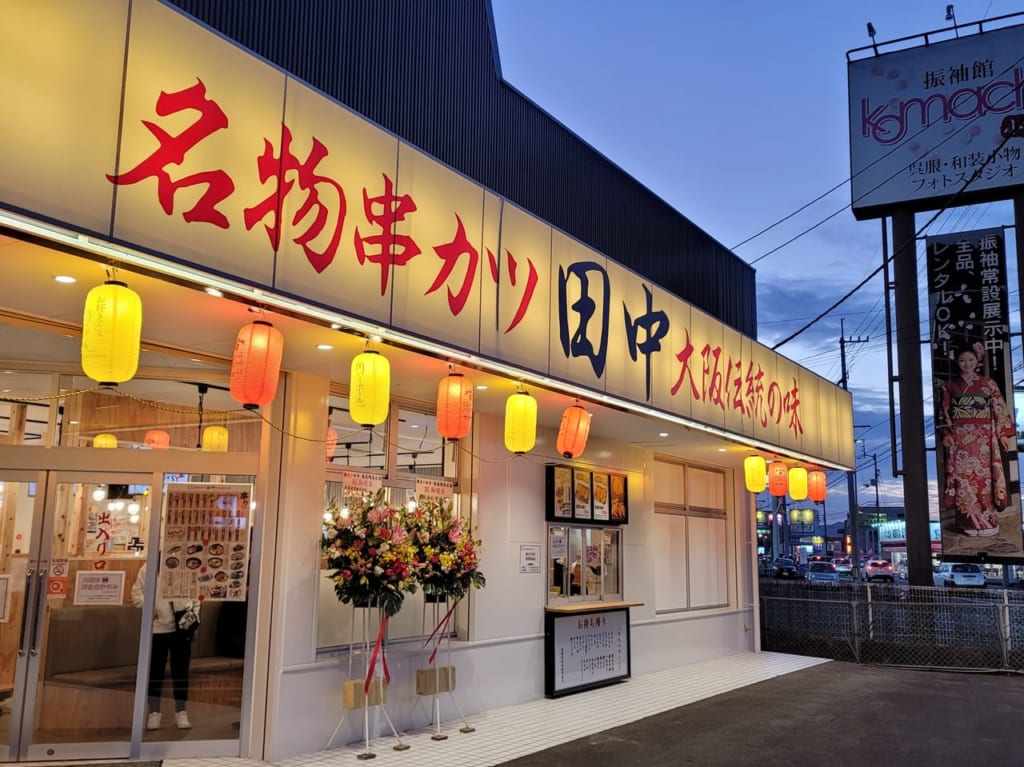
x: 99, y: 587
x: 922, y: 120
x: 590, y: 648
x: 529, y: 558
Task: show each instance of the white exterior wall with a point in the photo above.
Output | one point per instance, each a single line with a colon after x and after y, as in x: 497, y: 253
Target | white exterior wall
x: 503, y: 662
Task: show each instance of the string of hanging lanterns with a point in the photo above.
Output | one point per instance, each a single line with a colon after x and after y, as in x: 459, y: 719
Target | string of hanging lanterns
x: 797, y: 481
x: 111, y: 341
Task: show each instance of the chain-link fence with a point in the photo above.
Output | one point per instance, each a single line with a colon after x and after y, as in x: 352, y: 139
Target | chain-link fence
x: 895, y: 624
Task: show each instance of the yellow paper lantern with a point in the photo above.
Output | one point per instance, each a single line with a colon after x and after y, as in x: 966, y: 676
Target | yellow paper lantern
x: 798, y: 483
x: 156, y: 439
x: 755, y: 473
x: 104, y: 440
x: 573, y: 431
x: 256, y: 365
x: 111, y: 333
x: 778, y: 478
x: 454, y: 406
x: 215, y: 439
x: 520, y: 423
x: 369, y: 389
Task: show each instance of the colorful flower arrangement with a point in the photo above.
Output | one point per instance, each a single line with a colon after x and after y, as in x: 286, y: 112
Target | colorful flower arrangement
x: 372, y: 554
x: 447, y: 553
x: 379, y: 554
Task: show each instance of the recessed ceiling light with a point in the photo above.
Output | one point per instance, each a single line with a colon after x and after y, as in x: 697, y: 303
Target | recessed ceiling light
x: 376, y: 339
x: 197, y: 361
x: 335, y: 326
x: 324, y: 347
x: 721, y: 450
x: 481, y: 387
x: 65, y: 279
x: 662, y: 433
x: 73, y: 423
x: 214, y: 292
x: 414, y: 426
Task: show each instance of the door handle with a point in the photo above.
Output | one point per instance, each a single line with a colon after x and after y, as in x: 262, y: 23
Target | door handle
x: 26, y: 611
x: 41, y: 584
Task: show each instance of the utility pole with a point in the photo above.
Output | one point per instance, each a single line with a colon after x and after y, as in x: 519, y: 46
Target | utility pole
x: 851, y: 476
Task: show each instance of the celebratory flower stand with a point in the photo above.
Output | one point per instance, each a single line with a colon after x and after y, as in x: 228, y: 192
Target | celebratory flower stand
x: 370, y: 687
x: 436, y: 678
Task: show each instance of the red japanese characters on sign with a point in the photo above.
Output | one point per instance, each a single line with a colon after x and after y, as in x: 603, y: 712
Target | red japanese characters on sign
x: 727, y: 383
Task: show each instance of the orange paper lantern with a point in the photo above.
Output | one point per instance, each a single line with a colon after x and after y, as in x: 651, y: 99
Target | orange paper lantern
x: 816, y: 486
x: 454, y: 406
x: 256, y: 365
x: 156, y: 439
x: 332, y: 442
x: 798, y: 483
x: 778, y: 479
x: 573, y: 431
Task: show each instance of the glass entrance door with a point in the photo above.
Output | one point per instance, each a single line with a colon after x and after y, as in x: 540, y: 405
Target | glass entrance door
x: 71, y: 546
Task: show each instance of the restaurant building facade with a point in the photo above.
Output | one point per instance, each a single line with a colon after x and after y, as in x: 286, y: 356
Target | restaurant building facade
x: 151, y: 154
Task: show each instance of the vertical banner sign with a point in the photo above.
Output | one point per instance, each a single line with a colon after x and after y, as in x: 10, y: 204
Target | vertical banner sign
x: 975, y: 431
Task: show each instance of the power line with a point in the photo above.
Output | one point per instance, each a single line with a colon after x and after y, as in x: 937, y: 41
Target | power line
x: 896, y: 250
x: 895, y: 148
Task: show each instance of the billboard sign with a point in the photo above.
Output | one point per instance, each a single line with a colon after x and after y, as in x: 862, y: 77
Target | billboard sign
x: 975, y: 430
x: 924, y: 119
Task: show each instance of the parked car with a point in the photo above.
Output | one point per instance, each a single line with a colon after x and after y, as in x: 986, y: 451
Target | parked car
x: 784, y: 567
x: 844, y: 566
x: 960, y: 575
x: 822, y: 573
x: 878, y: 570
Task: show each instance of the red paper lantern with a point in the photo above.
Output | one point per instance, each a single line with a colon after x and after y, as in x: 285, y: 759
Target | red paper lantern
x: 256, y: 365
x: 816, y: 486
x: 573, y: 431
x: 778, y: 479
x: 332, y: 442
x: 156, y: 439
x: 454, y: 406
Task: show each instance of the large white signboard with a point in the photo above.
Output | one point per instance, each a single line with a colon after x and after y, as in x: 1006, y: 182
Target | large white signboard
x: 924, y: 119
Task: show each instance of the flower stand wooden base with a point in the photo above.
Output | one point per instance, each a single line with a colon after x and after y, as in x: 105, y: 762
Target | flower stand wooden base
x: 436, y: 679
x: 371, y: 688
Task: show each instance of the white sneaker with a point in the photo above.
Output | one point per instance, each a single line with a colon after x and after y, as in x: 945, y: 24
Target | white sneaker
x: 181, y: 720
x: 153, y: 722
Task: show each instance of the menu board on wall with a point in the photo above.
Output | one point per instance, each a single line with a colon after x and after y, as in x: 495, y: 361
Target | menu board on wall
x: 585, y: 650
x: 558, y: 480
x: 602, y: 505
x: 205, y: 549
x: 618, y: 498
x: 581, y: 495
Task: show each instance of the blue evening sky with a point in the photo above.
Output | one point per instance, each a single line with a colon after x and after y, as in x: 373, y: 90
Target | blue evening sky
x: 736, y: 114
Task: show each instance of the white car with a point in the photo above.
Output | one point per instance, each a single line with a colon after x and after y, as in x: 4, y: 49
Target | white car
x: 960, y: 575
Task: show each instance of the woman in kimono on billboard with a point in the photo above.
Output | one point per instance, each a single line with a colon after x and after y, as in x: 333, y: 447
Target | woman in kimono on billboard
x: 975, y: 422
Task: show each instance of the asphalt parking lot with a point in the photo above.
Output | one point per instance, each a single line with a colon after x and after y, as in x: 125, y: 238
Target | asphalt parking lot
x: 835, y: 714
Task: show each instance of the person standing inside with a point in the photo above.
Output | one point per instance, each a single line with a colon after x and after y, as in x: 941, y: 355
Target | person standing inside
x: 168, y: 643
x: 975, y: 424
